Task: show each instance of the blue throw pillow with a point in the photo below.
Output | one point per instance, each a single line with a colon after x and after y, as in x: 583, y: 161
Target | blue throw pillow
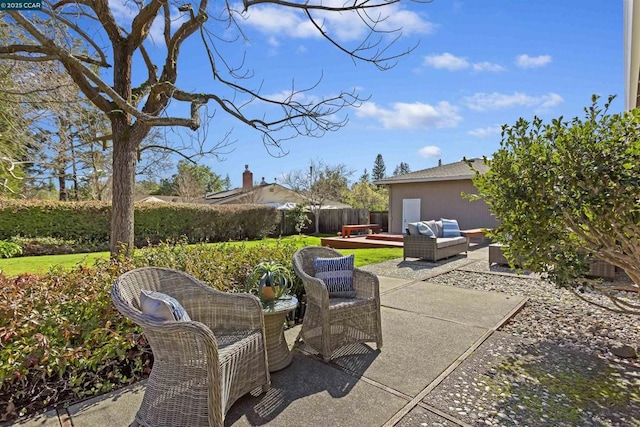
x: 425, y: 230
x: 162, y: 306
x: 450, y: 228
x: 337, y: 275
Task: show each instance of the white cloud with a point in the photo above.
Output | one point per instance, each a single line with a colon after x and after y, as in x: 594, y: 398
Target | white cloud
x: 273, y: 42
x: 487, y: 66
x: 496, y: 101
x: 451, y: 62
x: 446, y: 61
x: 414, y: 115
x: 430, y: 151
x: 345, y: 26
x: 485, y: 132
x: 277, y: 21
x: 526, y: 61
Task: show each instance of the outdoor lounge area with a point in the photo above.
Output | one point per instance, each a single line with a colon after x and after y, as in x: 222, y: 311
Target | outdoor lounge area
x: 445, y: 337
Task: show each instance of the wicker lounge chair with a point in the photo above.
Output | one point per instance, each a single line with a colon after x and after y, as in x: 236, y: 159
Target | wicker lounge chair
x: 331, y: 323
x: 201, y: 367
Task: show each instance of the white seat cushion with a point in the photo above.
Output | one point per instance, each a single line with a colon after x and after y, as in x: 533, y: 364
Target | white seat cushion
x: 445, y: 242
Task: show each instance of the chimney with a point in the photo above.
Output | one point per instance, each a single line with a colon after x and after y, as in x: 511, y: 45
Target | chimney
x: 439, y: 162
x: 247, y: 179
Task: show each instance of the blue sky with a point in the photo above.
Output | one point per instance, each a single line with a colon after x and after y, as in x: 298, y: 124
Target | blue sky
x: 478, y: 64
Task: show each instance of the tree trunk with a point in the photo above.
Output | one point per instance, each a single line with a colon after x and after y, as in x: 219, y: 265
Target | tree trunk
x: 62, y: 183
x: 124, y: 172
x: 74, y: 172
x: 316, y: 214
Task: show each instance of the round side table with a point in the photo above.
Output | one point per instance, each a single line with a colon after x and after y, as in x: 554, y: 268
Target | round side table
x: 275, y: 313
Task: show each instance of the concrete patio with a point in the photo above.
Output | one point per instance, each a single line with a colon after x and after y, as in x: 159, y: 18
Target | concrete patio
x: 428, y: 330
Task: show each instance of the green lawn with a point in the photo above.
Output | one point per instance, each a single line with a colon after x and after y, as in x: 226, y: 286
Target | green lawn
x: 41, y: 264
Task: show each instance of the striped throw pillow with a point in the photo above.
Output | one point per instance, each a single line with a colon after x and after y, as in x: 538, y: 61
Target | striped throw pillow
x: 425, y: 230
x: 450, y: 228
x: 162, y: 306
x: 337, y: 275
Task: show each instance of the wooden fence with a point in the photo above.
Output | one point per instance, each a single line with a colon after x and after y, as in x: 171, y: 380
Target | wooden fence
x: 332, y: 220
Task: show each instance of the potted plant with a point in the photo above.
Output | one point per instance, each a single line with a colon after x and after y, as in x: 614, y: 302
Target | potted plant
x: 269, y: 280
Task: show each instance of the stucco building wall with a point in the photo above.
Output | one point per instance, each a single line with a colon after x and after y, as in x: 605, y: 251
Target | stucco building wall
x: 440, y: 199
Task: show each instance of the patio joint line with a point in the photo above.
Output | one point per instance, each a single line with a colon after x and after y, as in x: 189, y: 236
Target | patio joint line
x: 429, y: 388
x: 429, y: 276
x: 358, y: 376
x: 457, y: 322
x: 64, y: 418
x: 412, y: 282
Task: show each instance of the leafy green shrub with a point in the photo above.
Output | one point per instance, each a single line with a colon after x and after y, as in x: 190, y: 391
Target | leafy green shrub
x: 9, y: 249
x: 156, y: 222
x: 61, y: 338
x: 49, y: 218
x: 566, y: 192
x: 87, y: 223
x: 223, y: 266
x: 57, y: 246
x: 298, y: 215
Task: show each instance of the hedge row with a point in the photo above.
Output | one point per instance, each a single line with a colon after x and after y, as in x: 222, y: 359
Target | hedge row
x: 154, y: 222
x: 61, y: 338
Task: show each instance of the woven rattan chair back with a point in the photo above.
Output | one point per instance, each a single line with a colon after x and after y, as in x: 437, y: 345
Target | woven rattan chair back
x: 332, y: 323
x: 201, y: 367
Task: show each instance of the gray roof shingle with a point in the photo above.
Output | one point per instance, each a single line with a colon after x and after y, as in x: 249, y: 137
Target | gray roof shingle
x: 449, y: 172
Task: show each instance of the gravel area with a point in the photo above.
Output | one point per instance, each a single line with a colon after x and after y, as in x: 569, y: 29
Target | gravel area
x: 513, y: 381
x: 554, y: 315
x: 550, y: 365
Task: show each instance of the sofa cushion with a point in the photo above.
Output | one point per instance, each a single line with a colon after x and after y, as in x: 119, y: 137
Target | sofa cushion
x: 412, y: 227
x: 436, y: 227
x: 337, y: 275
x: 450, y: 228
x: 445, y: 242
x: 162, y: 306
x: 425, y: 230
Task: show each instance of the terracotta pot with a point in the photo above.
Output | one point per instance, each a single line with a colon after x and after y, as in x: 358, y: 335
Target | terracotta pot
x: 269, y: 293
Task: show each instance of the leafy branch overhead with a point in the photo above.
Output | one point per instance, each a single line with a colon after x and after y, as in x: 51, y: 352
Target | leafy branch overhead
x: 568, y: 192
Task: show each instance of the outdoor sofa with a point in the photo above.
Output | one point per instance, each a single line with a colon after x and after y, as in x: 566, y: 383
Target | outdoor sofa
x: 431, y: 244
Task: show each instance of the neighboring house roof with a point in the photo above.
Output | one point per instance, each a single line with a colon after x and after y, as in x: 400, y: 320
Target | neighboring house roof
x: 238, y: 195
x: 449, y: 172
x: 173, y: 199
x: 152, y: 199
x: 221, y: 195
x: 268, y: 194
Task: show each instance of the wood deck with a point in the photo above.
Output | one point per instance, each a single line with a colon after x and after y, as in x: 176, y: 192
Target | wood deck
x: 369, y: 241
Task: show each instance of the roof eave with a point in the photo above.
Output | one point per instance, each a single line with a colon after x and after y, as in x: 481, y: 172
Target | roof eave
x: 431, y: 179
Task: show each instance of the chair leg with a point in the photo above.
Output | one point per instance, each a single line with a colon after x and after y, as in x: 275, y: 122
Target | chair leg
x: 265, y: 387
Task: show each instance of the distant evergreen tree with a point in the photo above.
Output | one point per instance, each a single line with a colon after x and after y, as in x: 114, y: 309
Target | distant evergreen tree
x: 401, y: 169
x: 379, y: 170
x: 365, y: 176
x: 226, y: 183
